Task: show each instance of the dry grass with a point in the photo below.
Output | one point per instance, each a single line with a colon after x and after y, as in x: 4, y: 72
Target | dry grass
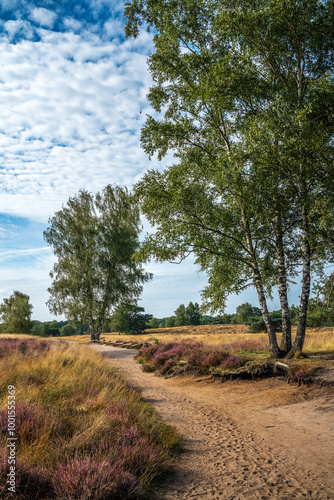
x: 317, y: 339
x: 73, y: 408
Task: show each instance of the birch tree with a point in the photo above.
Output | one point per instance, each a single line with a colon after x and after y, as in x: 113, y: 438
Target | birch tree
x: 244, y: 97
x: 94, y: 239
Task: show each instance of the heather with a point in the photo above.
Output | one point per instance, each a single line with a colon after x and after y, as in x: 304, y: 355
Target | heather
x: 82, y: 432
x: 173, y: 357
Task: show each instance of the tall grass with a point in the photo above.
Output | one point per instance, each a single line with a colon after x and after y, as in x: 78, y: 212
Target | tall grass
x: 83, y: 433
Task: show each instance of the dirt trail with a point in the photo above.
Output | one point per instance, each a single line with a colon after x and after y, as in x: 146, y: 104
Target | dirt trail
x: 243, y: 440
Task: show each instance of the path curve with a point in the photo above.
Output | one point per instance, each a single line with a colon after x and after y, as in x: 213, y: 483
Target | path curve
x: 242, y: 440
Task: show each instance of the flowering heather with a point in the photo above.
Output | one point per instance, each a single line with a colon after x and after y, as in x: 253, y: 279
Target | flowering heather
x: 84, y: 478
x: 216, y: 357
x: 30, y: 347
x: 165, y: 357
x: 300, y: 375
x: 232, y: 361
x: 30, y: 420
x: 31, y: 481
x: 147, y: 352
x: 83, y: 433
x: 173, y: 350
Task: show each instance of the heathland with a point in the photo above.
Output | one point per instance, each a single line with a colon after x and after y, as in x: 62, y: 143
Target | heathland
x: 82, y: 432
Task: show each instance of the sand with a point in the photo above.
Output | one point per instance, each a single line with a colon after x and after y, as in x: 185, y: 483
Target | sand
x: 244, y: 439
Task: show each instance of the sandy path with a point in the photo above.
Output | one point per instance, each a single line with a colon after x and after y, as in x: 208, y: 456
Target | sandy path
x: 243, y: 440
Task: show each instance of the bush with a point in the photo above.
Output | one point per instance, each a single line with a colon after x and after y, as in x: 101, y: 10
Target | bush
x: 256, y: 324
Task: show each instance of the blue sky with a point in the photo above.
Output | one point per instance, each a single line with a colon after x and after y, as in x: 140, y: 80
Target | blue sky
x: 73, y: 100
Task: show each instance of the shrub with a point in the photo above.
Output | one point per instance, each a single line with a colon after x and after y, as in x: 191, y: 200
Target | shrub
x: 256, y: 324
x: 232, y: 361
x: 30, y: 481
x: 215, y: 357
x: 300, y: 374
x: 84, y: 478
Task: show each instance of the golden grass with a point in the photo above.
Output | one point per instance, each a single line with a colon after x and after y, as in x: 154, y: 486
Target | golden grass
x: 317, y: 339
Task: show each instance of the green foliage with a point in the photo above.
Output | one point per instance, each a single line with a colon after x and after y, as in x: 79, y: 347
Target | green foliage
x: 246, y: 99
x: 130, y: 319
x: 136, y: 320
x: 256, y: 324
x: 67, y: 330
x: 170, y: 322
x: 294, y: 311
x: 321, y: 307
x: 246, y: 311
x: 118, y: 321
x: 153, y: 323
x: 193, y: 314
x: 189, y: 315
x: 180, y: 316
x: 15, y: 313
x: 94, y: 239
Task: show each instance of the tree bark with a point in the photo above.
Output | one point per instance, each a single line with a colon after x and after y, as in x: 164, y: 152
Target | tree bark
x: 99, y: 328
x: 260, y: 290
x: 282, y: 286
x: 302, y: 317
x: 92, y: 330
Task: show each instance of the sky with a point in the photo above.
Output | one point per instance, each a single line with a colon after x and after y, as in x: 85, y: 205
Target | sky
x: 73, y: 100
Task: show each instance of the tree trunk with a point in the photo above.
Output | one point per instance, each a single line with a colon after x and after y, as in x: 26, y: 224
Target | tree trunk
x: 260, y: 290
x: 92, y: 330
x: 265, y: 315
x: 99, y: 328
x: 302, y: 317
x: 282, y: 286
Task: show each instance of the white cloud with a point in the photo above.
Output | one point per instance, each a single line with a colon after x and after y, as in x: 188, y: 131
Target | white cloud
x: 44, y: 17
x: 71, y: 118
x: 14, y: 254
x: 72, y: 24
x: 13, y: 27
x: 9, y: 4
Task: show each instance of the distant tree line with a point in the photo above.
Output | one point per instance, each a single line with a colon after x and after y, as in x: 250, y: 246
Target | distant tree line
x: 15, y: 313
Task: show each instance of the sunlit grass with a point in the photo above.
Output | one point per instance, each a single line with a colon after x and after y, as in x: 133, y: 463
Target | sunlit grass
x: 317, y: 339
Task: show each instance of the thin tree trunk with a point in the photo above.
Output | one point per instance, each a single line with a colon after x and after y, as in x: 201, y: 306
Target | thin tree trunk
x: 99, y: 328
x: 302, y: 317
x: 282, y: 286
x: 92, y: 329
x: 260, y: 290
x: 265, y: 315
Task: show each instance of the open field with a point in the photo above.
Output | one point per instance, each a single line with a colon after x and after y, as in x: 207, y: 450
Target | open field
x: 317, y: 339
x: 82, y: 432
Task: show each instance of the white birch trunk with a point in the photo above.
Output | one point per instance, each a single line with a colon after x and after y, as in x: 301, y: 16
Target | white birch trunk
x: 282, y: 287
x: 260, y: 291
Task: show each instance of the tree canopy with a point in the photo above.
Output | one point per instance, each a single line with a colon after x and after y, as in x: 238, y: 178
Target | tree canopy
x: 15, y: 313
x: 94, y: 239
x: 244, y: 97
